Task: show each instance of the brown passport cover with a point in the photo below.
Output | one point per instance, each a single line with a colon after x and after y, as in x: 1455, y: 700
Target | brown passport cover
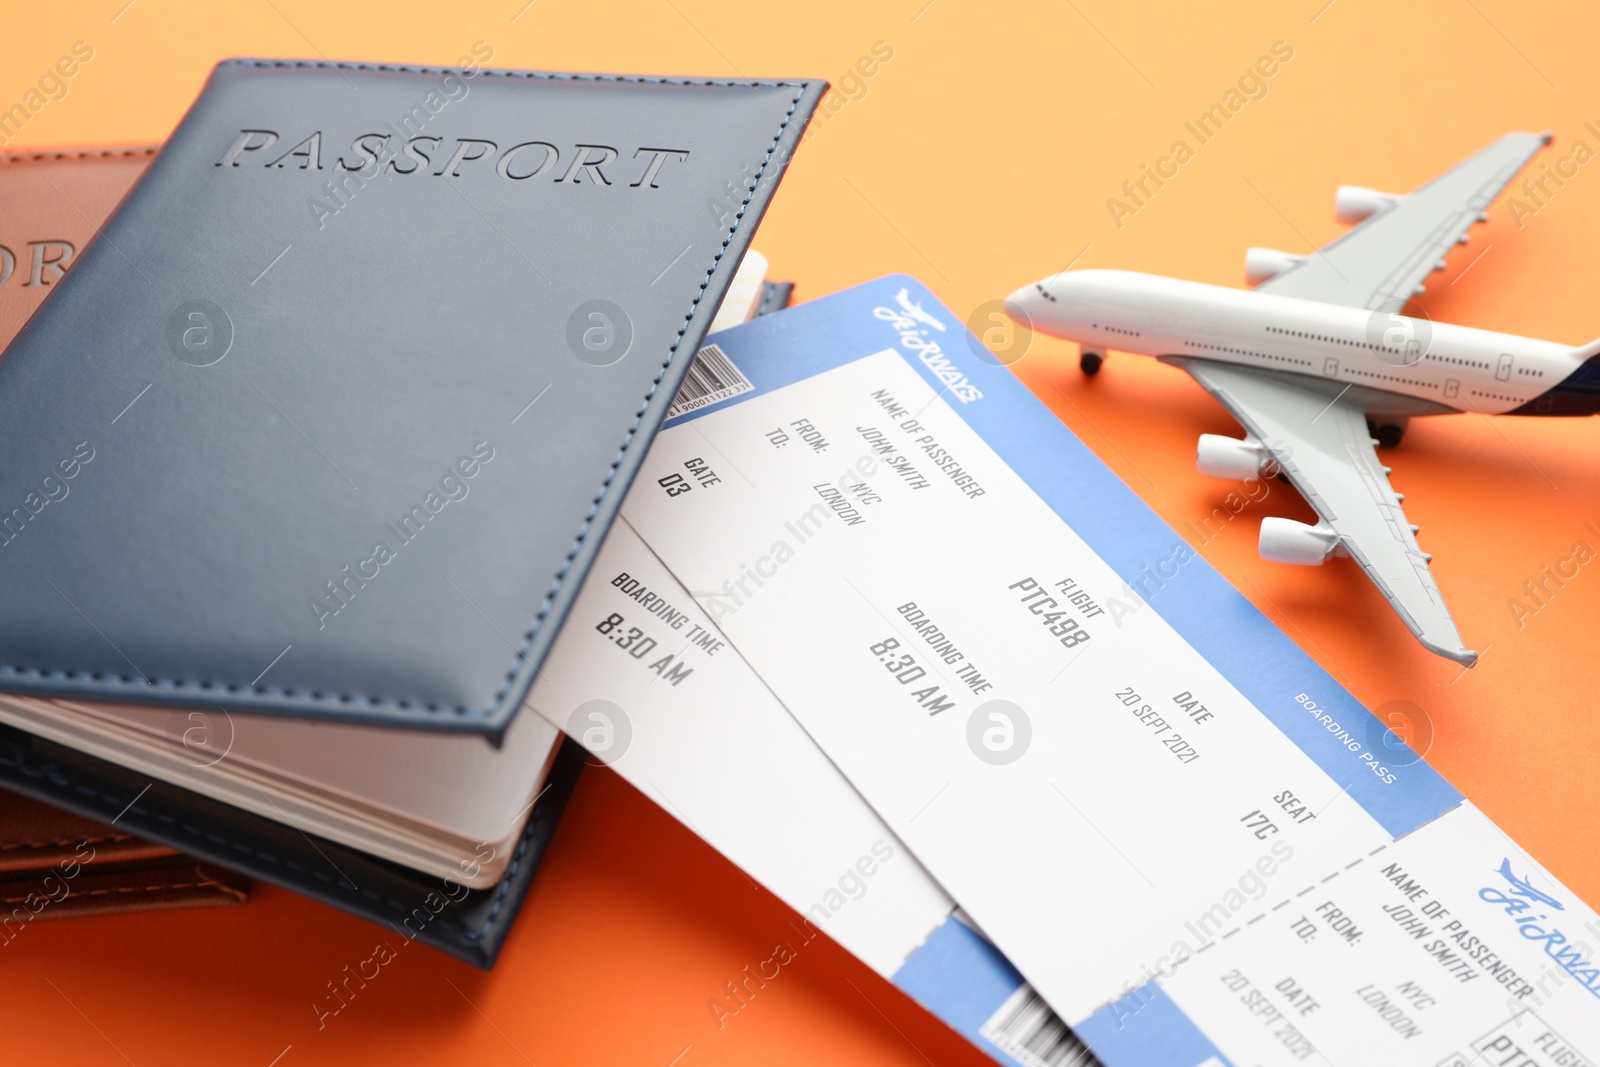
x: 54, y: 865
x: 51, y: 204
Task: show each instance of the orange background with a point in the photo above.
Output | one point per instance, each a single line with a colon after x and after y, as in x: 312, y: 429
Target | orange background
x: 979, y: 157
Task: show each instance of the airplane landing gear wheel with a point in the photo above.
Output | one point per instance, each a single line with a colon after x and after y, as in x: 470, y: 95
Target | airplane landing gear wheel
x: 1090, y: 363
x: 1388, y: 432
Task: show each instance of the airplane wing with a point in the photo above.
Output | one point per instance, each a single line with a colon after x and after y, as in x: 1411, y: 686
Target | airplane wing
x: 1321, y: 442
x: 1381, y: 263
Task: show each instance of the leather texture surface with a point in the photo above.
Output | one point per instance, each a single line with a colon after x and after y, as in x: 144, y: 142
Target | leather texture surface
x: 468, y: 924
x: 50, y: 205
x: 37, y: 838
x: 57, y: 865
x: 44, y: 846
x: 296, y: 438
x: 54, y: 864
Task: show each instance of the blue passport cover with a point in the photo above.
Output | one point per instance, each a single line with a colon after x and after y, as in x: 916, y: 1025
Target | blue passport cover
x: 332, y: 414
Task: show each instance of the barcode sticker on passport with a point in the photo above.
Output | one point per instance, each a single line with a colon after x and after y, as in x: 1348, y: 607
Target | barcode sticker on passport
x: 1029, y: 1032
x: 710, y: 378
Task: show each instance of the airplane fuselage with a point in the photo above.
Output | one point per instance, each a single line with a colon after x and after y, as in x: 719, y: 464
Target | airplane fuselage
x: 1421, y: 367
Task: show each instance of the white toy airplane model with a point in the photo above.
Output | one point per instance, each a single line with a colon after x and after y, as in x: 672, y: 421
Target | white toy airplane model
x: 1319, y: 366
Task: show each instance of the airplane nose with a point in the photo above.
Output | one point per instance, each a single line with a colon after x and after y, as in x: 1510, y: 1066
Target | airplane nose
x: 1023, y: 304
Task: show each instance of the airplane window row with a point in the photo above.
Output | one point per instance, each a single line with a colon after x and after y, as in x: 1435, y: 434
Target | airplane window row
x: 1326, y: 339
x: 1458, y: 362
x: 1248, y: 352
x: 1393, y: 378
x: 1385, y: 348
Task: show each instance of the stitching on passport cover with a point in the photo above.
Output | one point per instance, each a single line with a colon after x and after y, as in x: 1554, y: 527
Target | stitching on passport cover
x: 404, y: 68
x: 56, y: 776
x: 123, y: 889
x: 86, y: 153
x: 605, y: 485
x: 8, y: 846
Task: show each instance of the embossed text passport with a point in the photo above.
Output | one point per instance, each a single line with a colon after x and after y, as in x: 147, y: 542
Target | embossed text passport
x: 332, y: 415
x: 437, y: 306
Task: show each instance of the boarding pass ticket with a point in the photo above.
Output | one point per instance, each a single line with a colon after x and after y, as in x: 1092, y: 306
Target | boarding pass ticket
x: 643, y: 679
x: 1190, y: 840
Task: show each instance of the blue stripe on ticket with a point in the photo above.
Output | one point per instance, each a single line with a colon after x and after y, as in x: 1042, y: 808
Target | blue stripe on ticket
x: 1378, y: 771
x: 963, y: 979
x: 1146, y: 1029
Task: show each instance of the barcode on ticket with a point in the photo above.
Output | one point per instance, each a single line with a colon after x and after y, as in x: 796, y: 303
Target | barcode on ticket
x: 710, y: 378
x: 1025, y: 1029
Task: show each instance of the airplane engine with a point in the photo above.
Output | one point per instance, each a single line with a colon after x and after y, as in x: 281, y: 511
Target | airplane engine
x: 1287, y: 541
x: 1263, y: 263
x: 1357, y: 203
x: 1230, y: 458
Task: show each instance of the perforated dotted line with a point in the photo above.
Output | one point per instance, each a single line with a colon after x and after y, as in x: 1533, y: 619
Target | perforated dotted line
x: 391, y: 704
x: 1280, y: 905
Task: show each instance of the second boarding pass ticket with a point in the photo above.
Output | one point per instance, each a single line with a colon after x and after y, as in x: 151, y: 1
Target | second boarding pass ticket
x: 1192, y: 842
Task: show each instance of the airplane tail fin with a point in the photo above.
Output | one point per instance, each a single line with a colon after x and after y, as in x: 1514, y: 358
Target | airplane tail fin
x: 1588, y: 351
